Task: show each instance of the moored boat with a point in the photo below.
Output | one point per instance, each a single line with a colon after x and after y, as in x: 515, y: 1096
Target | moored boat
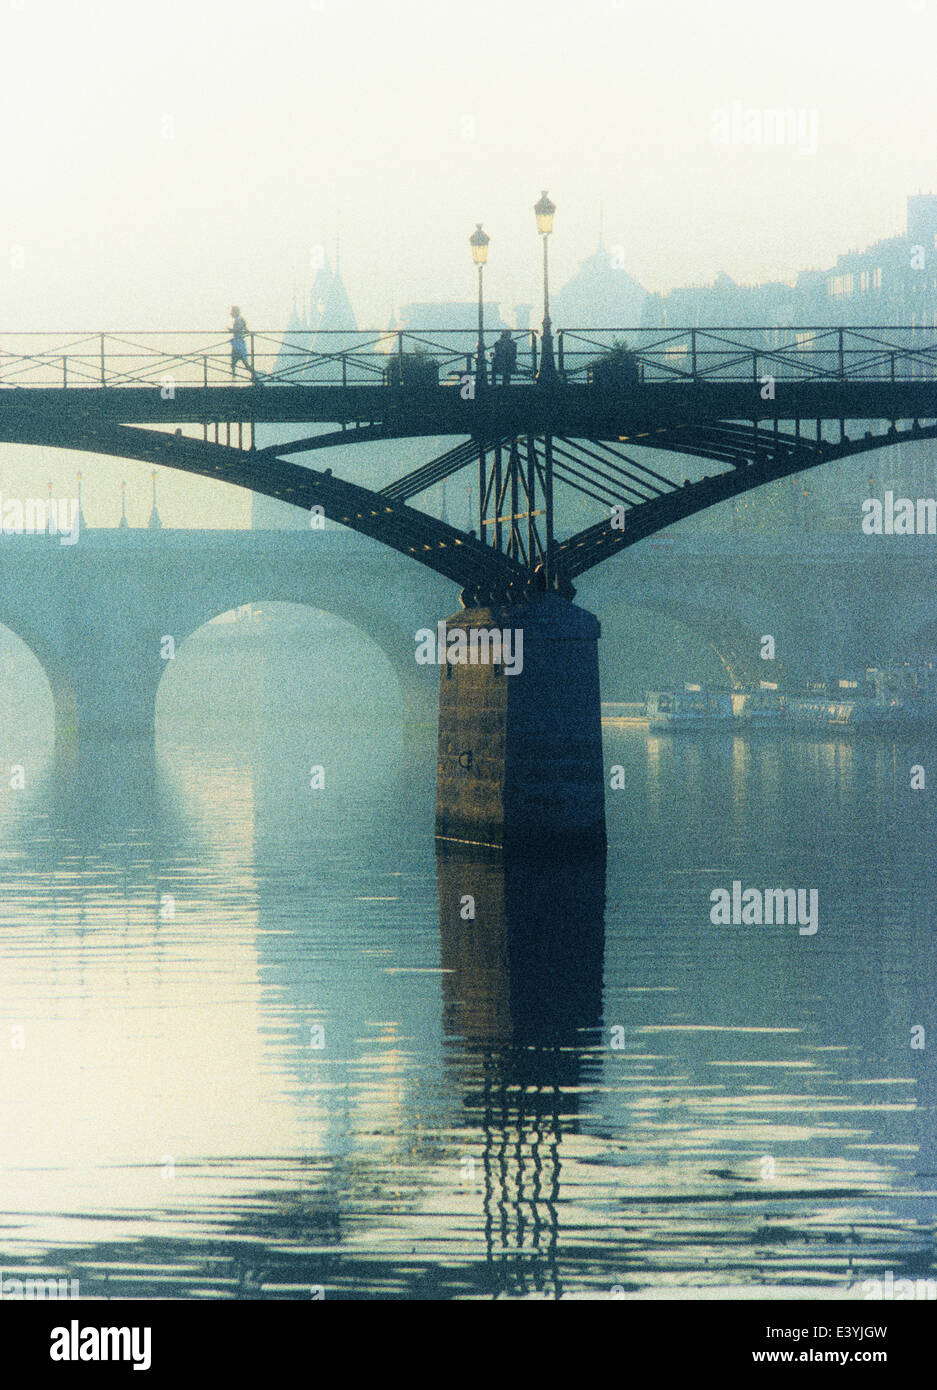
x: 758, y: 709
x: 669, y: 711
x: 884, y: 697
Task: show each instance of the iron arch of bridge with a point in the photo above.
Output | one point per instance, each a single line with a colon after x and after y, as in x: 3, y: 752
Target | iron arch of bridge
x: 756, y: 457
x: 446, y: 550
x: 519, y: 462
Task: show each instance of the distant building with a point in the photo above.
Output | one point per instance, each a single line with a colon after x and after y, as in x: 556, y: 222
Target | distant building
x: 892, y: 282
x: 458, y: 315
x: 600, y: 295
x: 722, y: 304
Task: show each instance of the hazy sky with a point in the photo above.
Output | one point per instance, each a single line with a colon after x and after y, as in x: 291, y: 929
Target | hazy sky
x: 161, y: 161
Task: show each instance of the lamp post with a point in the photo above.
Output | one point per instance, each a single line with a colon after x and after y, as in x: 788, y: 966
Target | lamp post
x: 479, y: 243
x: 155, y: 522
x: 544, y: 210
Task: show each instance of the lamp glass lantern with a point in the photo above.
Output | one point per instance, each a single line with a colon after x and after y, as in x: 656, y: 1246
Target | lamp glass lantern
x: 479, y: 243
x: 544, y: 210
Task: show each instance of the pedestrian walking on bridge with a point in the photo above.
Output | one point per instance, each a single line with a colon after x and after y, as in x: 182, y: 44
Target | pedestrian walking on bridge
x: 239, y: 344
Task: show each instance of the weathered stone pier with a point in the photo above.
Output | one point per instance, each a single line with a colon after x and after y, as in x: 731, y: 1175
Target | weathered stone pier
x: 520, y: 756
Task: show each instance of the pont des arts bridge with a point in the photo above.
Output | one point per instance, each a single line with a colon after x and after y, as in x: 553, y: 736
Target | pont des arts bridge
x: 519, y: 756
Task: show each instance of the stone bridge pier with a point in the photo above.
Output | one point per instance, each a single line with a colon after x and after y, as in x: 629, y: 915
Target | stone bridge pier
x: 520, y: 754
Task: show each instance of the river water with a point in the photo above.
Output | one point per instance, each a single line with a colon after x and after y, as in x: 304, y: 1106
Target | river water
x: 251, y: 1047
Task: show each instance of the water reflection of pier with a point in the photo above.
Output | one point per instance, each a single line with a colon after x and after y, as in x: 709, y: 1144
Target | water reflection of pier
x: 522, y: 991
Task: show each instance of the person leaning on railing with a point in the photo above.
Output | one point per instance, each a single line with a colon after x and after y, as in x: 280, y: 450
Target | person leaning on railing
x: 504, y: 358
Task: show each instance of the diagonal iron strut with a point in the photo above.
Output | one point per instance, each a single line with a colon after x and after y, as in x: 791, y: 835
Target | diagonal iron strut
x: 429, y: 474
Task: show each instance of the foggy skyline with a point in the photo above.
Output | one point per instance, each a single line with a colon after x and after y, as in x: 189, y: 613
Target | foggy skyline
x: 208, y: 151
x: 161, y: 164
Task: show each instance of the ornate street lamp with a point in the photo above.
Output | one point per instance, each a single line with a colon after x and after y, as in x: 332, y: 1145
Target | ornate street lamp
x: 544, y: 210
x: 479, y: 243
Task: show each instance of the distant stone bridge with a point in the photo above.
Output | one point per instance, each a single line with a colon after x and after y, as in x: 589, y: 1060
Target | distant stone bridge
x: 95, y: 613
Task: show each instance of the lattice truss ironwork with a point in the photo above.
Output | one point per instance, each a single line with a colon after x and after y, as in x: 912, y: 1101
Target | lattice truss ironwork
x: 534, y: 447
x: 521, y: 481
x: 520, y: 477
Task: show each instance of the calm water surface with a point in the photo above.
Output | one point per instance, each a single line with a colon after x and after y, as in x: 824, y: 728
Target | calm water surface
x: 250, y: 1048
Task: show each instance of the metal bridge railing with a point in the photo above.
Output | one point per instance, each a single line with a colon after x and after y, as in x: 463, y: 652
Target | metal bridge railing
x: 413, y: 358
x: 164, y: 360
x: 807, y: 353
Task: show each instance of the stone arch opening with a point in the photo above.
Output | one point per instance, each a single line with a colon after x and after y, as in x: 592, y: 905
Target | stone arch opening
x: 38, y: 703
x: 668, y: 644
x: 289, y: 665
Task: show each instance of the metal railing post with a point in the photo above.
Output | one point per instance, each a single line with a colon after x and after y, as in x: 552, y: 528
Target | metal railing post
x: 842, y: 358
x: 102, y: 359
x: 693, y: 353
x: 65, y: 370
x: 559, y: 358
x: 533, y: 352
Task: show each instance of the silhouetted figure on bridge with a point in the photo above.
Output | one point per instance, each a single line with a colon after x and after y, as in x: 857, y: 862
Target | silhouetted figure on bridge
x: 504, y: 358
x: 239, y: 344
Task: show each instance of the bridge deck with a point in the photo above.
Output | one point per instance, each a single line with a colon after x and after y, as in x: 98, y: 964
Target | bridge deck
x: 575, y: 409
